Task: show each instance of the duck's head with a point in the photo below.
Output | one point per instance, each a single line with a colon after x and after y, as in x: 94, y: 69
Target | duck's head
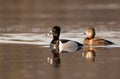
x: 90, y: 32
x: 56, y: 31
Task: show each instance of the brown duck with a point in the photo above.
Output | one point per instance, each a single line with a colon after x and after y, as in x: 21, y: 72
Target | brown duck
x: 92, y: 40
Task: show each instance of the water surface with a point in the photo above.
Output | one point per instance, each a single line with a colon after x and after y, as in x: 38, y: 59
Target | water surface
x: 24, y: 42
x: 28, y: 56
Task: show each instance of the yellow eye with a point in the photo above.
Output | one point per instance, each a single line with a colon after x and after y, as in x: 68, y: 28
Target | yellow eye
x: 53, y: 29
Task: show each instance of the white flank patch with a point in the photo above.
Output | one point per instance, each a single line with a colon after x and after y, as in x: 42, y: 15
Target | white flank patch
x: 69, y: 46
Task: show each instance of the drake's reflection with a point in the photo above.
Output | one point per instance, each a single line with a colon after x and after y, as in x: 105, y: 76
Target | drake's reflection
x: 55, y: 60
x: 89, y: 54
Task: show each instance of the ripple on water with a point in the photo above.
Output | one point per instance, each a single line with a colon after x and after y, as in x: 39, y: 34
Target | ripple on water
x: 44, y: 40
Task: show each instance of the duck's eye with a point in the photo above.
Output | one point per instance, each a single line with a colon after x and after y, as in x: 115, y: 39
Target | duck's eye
x: 88, y: 31
x: 53, y: 29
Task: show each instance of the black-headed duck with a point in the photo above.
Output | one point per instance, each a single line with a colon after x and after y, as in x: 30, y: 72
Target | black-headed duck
x: 63, y: 44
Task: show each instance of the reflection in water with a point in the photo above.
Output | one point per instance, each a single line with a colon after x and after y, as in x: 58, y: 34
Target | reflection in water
x: 56, y: 58
x: 29, y: 62
x: 89, y: 54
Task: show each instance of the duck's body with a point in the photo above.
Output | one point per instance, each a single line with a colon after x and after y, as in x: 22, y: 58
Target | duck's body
x: 97, y: 41
x: 62, y: 44
x: 69, y: 45
x: 92, y: 40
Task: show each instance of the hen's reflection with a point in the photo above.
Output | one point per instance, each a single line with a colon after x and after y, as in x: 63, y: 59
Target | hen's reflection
x: 89, y: 54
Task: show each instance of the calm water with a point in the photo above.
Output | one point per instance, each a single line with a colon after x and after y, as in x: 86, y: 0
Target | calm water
x: 24, y: 40
x: 20, y: 61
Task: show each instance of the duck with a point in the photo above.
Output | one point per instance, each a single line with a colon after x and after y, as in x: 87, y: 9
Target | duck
x: 63, y: 45
x: 92, y: 40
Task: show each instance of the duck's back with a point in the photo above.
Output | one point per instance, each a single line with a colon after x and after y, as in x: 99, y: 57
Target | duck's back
x: 64, y: 41
x: 97, y: 42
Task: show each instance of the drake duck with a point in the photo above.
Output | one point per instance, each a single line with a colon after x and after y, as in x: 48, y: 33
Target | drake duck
x: 92, y: 40
x: 63, y: 45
